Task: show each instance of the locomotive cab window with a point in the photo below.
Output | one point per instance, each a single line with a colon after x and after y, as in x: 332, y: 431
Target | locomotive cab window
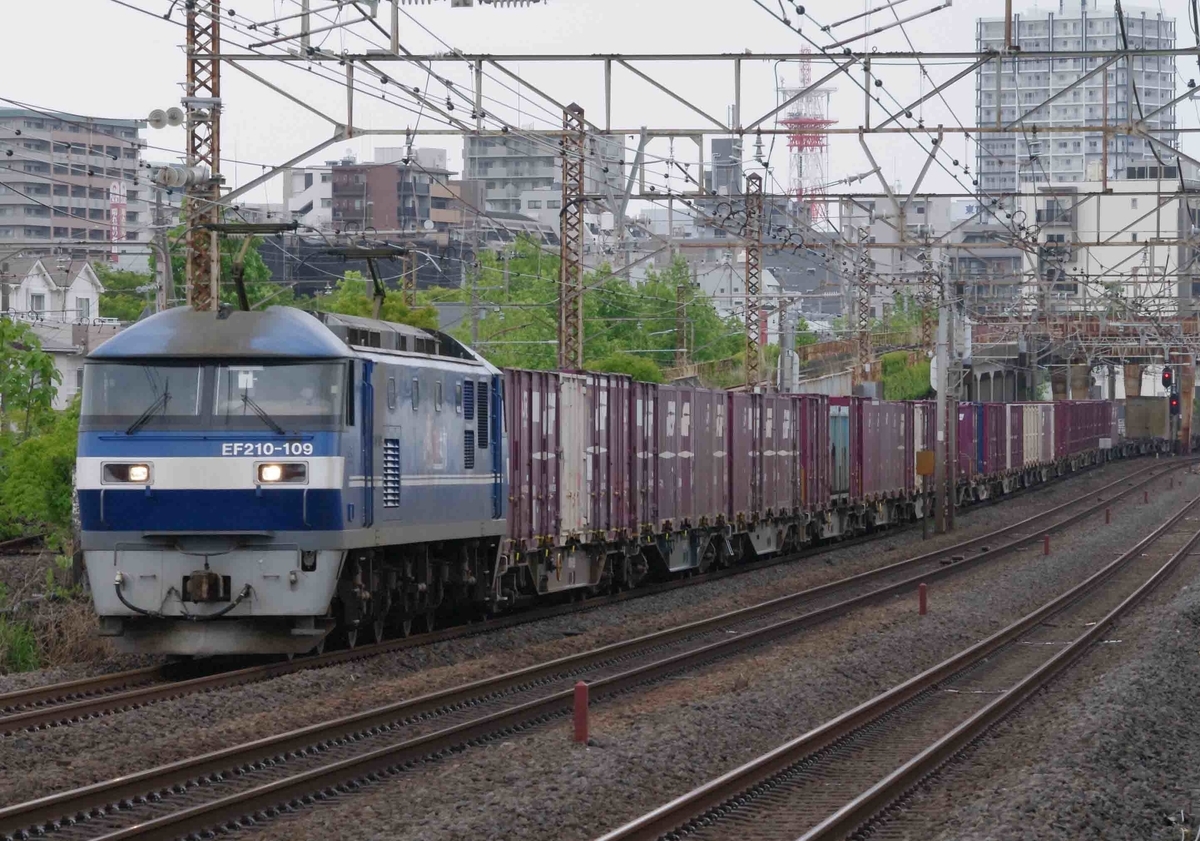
x: 134, y: 396
x: 279, y: 396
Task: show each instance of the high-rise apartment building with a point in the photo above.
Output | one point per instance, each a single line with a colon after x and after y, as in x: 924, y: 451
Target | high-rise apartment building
x: 74, y: 186
x: 511, y: 165
x: 1141, y: 85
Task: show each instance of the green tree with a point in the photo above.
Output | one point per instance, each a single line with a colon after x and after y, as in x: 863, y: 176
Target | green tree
x: 638, y: 367
x: 352, y: 296
x: 28, y: 380
x: 121, y: 298
x: 36, y: 475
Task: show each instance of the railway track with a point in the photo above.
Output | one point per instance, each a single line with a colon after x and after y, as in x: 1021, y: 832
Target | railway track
x: 80, y: 700
x: 843, y: 777
x: 287, y: 771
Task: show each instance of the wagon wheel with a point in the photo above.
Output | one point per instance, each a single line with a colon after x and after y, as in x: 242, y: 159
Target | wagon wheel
x: 406, y: 626
x: 377, y: 628
x: 430, y: 615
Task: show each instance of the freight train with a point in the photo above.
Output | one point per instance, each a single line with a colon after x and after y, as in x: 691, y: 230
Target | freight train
x: 252, y: 482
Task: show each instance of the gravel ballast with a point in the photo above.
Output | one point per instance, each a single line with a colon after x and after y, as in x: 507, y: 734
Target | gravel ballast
x: 658, y: 744
x: 102, y: 748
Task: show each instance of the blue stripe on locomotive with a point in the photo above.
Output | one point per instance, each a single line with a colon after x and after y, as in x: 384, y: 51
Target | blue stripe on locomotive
x: 274, y: 509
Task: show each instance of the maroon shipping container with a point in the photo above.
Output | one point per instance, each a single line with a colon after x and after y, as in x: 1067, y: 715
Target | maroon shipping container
x: 745, y: 466
x: 814, y: 451
x: 995, y: 432
x: 921, y: 435
x: 710, y: 484
x: 883, y: 448
x: 1064, y: 421
x: 968, y: 441
x: 644, y: 462
x: 780, y: 463
x: 530, y: 413
x: 1015, y: 455
x: 607, y: 454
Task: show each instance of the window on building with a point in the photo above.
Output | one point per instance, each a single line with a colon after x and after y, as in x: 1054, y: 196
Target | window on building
x: 535, y: 204
x: 1133, y: 204
x: 554, y: 204
x: 37, y: 302
x: 83, y: 306
x: 326, y: 202
x: 61, y: 189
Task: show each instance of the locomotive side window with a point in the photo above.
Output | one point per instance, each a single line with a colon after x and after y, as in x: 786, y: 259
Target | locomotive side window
x: 437, y: 396
x: 391, y: 392
x: 416, y: 393
x: 458, y: 400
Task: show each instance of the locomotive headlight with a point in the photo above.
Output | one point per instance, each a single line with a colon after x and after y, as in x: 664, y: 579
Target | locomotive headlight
x: 270, y: 474
x: 133, y: 473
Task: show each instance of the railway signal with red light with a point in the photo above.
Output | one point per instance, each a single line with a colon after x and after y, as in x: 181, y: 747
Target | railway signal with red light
x: 1168, y: 377
x: 1174, y: 404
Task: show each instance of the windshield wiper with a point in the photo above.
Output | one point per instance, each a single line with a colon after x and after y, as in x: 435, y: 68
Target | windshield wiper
x: 247, y: 400
x: 160, y: 402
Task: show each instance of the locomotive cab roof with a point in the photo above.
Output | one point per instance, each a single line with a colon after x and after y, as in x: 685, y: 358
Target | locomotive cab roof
x: 276, y: 332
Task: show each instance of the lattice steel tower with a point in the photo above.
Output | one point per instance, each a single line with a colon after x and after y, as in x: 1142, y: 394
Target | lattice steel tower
x: 808, y: 148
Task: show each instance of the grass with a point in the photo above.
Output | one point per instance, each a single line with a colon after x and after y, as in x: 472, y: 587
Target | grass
x: 18, y: 647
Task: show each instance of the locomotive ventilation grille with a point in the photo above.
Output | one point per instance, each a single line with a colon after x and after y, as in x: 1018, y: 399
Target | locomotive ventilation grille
x: 468, y: 400
x: 469, y: 449
x: 391, y: 472
x: 483, y: 416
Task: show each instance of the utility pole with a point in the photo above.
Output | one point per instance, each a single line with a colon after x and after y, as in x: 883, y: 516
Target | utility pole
x: 943, y: 387
x: 863, y: 306
x: 787, y: 352
x: 507, y: 256
x: 680, y: 325
x: 570, y: 292
x: 754, y: 223
x: 166, y: 278
x: 409, y: 282
x: 203, y: 106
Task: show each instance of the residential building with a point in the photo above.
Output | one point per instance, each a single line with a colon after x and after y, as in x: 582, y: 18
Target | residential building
x: 1139, y: 87
x: 51, y: 290
x: 397, y: 197
x: 308, y: 195
x: 1146, y: 265
x: 73, y: 185
x: 69, y: 345
x: 512, y: 164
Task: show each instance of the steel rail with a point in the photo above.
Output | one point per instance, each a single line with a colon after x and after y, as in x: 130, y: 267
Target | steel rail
x: 100, y: 797
x: 86, y: 698
x: 756, y: 775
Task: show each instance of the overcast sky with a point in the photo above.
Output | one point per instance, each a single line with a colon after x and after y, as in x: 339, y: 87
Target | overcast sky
x: 105, y: 59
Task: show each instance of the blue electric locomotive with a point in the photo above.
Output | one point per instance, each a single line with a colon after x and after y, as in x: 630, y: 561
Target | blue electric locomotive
x: 250, y: 481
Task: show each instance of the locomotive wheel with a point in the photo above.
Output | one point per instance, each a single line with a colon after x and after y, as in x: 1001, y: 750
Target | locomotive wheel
x: 406, y: 627
x: 320, y: 649
x: 377, y: 628
x: 430, y: 615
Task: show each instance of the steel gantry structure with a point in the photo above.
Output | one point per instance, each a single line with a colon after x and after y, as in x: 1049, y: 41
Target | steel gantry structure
x: 376, y: 70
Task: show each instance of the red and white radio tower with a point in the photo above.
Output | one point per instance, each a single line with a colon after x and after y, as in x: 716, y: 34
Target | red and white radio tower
x: 808, y: 147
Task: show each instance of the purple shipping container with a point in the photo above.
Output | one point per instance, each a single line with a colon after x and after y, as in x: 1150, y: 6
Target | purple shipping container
x: 995, y: 432
x: 1015, y: 455
x: 745, y: 468
x: 710, y: 486
x: 530, y: 409
x: 779, y: 447
x: 644, y: 457
x: 883, y: 448
x: 814, y: 445
x: 968, y: 441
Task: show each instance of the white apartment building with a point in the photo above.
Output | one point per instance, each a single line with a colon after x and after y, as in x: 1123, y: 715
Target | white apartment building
x: 308, y: 196
x: 511, y: 165
x: 1136, y: 272
x: 1141, y: 86
x: 46, y: 289
x: 74, y: 185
